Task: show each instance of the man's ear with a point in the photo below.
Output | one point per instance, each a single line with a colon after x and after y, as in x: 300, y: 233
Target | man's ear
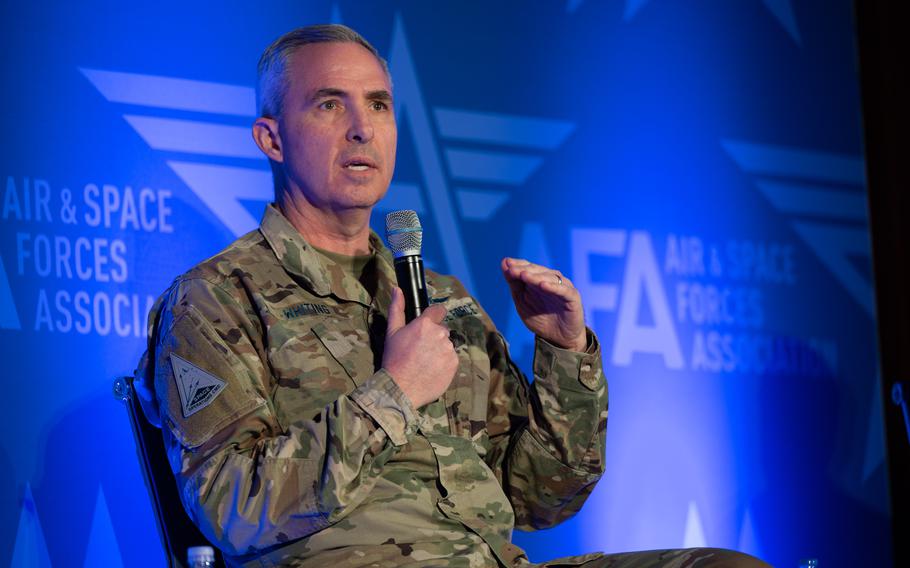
x: 265, y: 134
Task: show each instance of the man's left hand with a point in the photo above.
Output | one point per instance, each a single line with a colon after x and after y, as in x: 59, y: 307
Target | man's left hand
x: 547, y: 302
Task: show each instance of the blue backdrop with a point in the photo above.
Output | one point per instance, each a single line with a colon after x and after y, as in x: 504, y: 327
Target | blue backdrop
x: 695, y: 166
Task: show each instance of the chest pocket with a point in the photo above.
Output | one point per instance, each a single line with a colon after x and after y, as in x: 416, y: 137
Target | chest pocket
x: 466, y: 398
x: 323, y: 360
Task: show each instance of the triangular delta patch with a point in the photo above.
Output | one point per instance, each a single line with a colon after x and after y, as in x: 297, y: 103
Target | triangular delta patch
x: 197, y: 388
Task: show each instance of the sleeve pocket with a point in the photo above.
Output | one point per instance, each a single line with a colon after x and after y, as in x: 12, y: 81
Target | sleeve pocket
x: 202, y: 385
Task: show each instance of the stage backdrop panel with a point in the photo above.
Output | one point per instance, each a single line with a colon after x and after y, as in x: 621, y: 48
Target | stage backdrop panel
x: 694, y: 166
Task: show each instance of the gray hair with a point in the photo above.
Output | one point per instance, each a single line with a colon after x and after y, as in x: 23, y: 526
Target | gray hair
x: 272, y: 69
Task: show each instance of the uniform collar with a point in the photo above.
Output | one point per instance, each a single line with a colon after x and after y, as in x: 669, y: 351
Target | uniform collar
x: 320, y: 274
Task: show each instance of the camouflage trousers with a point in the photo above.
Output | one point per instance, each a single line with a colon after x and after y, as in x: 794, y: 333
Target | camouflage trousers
x: 674, y: 558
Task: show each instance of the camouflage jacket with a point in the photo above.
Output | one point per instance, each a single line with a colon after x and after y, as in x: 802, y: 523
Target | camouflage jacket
x: 292, y: 446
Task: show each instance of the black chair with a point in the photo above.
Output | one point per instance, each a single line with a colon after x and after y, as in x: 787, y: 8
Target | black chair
x: 175, y: 528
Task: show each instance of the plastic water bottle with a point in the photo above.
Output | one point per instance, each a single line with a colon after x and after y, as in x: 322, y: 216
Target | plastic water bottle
x: 200, y: 557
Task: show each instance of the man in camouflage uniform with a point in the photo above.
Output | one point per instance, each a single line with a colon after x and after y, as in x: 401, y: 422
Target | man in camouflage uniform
x: 307, y: 424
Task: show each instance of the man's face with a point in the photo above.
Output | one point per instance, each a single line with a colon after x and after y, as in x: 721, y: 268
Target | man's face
x: 337, y: 127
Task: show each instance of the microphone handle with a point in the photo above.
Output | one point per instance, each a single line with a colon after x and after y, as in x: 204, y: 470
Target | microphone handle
x: 411, y: 280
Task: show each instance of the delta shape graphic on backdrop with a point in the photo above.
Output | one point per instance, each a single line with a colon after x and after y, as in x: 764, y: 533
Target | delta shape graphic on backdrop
x: 237, y: 194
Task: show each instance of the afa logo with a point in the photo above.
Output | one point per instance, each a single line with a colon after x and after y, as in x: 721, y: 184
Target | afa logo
x: 641, y: 282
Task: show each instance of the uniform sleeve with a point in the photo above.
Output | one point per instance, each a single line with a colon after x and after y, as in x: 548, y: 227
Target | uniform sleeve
x: 547, y: 438
x: 248, y: 483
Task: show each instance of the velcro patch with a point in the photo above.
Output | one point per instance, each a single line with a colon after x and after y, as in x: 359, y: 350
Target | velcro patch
x: 197, y: 388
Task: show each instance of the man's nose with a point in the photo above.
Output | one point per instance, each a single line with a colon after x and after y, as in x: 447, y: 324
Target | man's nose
x: 361, y: 127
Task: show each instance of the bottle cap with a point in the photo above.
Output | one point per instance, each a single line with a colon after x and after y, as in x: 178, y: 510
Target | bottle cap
x: 200, y: 554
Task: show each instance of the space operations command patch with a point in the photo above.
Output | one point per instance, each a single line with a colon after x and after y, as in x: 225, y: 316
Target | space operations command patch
x: 197, y: 388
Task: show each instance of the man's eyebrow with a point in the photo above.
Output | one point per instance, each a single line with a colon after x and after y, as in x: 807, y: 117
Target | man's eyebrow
x: 328, y: 92
x: 379, y: 95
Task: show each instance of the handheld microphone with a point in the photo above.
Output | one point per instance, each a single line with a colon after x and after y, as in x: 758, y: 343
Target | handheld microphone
x: 405, y: 237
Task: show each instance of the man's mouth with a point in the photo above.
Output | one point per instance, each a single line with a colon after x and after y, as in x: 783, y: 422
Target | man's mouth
x: 359, y: 164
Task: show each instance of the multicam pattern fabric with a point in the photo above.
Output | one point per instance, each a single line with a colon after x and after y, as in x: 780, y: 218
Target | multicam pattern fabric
x: 312, y: 456
x: 673, y: 558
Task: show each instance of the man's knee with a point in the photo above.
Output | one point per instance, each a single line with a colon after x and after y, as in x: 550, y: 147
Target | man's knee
x: 688, y: 557
x: 723, y: 558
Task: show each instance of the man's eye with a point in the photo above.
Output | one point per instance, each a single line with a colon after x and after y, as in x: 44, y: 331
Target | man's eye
x: 329, y: 105
x: 379, y: 105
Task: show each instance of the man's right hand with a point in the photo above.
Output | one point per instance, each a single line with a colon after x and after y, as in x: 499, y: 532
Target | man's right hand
x: 419, y: 355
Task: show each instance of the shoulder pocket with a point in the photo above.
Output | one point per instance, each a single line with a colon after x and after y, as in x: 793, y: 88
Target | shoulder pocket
x: 201, y: 384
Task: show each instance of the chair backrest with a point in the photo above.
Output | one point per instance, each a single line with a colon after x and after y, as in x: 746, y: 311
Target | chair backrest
x: 175, y: 528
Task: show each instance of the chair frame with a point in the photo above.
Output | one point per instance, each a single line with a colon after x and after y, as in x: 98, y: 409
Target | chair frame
x: 175, y: 528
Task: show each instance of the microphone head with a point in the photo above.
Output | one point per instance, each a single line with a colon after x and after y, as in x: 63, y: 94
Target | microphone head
x: 404, y: 233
